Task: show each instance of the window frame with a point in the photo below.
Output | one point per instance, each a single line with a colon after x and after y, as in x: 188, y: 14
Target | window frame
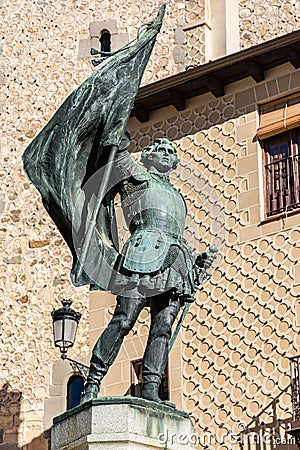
x: 292, y: 162
x: 74, y: 378
x: 279, y: 122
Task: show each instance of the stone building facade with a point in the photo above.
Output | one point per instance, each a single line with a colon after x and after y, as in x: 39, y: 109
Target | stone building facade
x: 231, y: 359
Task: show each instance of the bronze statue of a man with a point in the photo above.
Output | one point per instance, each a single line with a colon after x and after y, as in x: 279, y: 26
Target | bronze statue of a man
x: 156, y: 267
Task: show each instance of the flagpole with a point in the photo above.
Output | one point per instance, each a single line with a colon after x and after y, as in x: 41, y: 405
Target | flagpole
x: 92, y: 223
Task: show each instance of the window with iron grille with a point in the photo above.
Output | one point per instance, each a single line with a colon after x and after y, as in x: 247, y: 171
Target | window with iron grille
x: 279, y: 133
x: 282, y: 171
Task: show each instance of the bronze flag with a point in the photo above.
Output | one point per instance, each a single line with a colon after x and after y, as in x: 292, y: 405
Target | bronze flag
x: 71, y: 148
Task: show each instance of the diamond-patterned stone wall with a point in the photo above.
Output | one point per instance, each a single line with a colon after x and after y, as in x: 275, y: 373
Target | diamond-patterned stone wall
x: 241, y: 330
x: 265, y: 20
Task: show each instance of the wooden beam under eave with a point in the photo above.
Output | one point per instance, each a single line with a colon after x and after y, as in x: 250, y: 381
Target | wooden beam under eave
x: 294, y: 57
x: 215, y: 86
x: 178, y: 100
x: 255, y: 71
x: 141, y: 112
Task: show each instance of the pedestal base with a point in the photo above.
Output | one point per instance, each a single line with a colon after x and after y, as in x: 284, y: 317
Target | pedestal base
x: 122, y: 423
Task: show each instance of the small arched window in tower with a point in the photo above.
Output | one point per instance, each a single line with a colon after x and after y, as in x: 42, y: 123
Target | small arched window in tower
x: 74, y: 391
x: 105, y: 41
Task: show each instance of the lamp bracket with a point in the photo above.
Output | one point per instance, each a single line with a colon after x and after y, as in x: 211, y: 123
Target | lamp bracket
x: 79, y: 367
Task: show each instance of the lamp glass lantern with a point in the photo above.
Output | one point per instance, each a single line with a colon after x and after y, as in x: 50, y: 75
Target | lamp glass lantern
x: 65, y: 322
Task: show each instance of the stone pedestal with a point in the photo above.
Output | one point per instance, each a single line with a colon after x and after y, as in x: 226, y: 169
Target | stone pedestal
x: 122, y: 423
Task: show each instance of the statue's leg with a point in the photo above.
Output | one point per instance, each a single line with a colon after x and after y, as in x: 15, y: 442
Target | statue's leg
x: 108, y: 345
x: 163, y: 313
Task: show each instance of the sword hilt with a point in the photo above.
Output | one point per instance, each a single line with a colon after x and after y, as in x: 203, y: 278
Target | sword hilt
x: 204, y: 262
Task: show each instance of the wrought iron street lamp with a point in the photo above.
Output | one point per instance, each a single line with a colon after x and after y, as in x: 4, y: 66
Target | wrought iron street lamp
x: 65, y: 322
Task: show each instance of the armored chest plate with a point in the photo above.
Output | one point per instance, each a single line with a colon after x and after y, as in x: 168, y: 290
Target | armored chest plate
x: 155, y: 205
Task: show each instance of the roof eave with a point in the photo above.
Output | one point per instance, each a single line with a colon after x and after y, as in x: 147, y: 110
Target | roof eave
x: 215, y: 75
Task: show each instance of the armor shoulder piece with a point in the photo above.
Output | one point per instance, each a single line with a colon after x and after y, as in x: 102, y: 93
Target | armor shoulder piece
x: 140, y: 174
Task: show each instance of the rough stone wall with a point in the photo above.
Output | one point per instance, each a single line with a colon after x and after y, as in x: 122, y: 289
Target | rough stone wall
x: 39, y: 68
x: 261, y: 21
x: 38, y: 65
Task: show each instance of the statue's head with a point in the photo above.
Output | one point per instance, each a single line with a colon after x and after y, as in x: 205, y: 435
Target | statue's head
x: 162, y: 155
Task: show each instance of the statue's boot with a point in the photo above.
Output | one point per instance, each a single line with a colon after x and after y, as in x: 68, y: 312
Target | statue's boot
x: 90, y: 392
x: 101, y: 360
x: 150, y: 391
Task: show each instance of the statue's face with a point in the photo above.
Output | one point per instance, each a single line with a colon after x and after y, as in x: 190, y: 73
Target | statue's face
x: 163, y: 157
